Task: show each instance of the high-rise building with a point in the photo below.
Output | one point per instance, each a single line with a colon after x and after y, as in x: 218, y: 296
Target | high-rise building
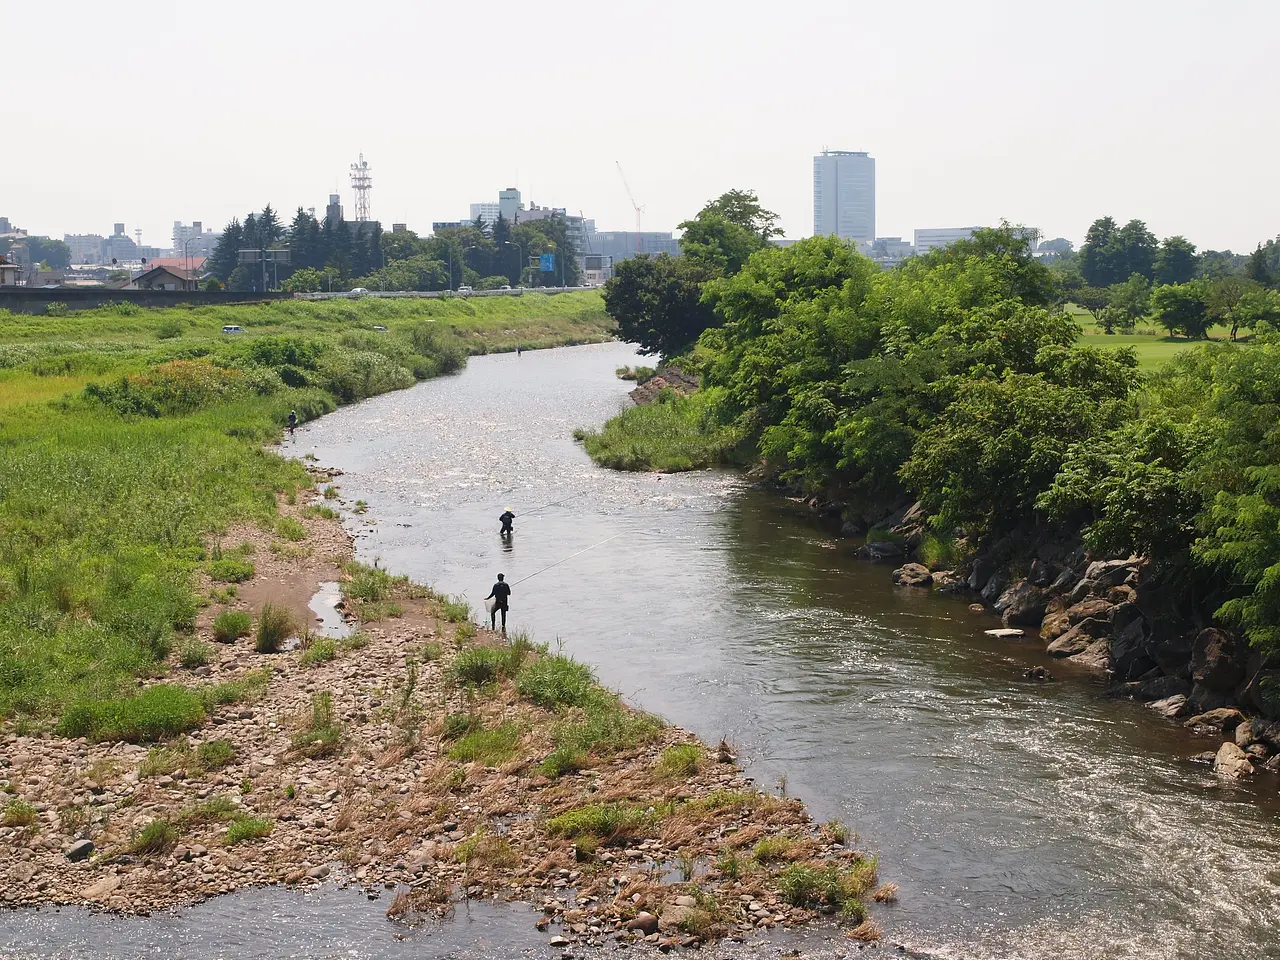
x: 509, y: 203
x: 334, y: 210
x: 844, y: 195
x: 933, y: 238
x: 193, y: 240
x: 86, y: 248
x: 487, y: 212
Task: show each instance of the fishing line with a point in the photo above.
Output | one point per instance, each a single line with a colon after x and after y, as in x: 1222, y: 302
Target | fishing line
x: 546, y: 505
x: 567, y: 559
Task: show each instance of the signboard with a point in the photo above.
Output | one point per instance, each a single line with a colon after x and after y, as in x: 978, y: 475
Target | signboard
x: 547, y: 262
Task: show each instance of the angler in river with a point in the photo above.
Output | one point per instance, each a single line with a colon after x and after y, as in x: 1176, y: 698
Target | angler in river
x: 506, y: 519
x: 500, y: 595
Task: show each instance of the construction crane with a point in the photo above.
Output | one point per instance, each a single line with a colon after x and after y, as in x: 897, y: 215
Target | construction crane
x: 639, y: 209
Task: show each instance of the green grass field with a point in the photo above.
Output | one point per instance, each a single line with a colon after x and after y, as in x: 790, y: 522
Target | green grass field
x: 1153, y: 345
x: 131, y: 439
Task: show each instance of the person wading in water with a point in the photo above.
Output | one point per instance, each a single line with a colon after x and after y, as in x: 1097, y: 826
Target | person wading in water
x: 500, y: 595
x: 506, y: 519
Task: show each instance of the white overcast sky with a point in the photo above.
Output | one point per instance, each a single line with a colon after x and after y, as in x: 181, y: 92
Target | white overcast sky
x: 1045, y: 113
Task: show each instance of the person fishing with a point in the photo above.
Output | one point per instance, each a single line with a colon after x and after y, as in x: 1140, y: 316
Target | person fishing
x: 501, y: 596
x: 507, y: 519
x: 293, y: 421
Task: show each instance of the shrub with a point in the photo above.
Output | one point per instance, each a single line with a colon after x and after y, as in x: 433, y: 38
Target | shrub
x: 215, y: 754
x: 478, y: 666
x: 169, y: 329
x: 489, y: 747
x: 459, y: 724
x: 158, y: 836
x: 231, y: 570
x: 680, y: 762
x: 605, y: 821
x: 275, y: 626
x: 291, y: 529
x: 555, y: 681
x: 248, y: 828
x: 194, y: 653
x: 810, y: 884
x: 230, y: 624
x: 19, y: 813
x: 603, y: 725
x: 157, y: 713
x: 456, y: 611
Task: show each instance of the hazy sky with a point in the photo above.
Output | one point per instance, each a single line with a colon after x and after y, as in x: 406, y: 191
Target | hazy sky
x: 1046, y: 113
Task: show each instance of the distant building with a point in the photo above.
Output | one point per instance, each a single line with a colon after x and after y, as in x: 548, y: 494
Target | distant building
x: 844, y: 195
x: 334, y: 210
x: 621, y: 244
x: 509, y: 204
x: 86, y: 248
x: 937, y: 237
x: 399, y: 228
x: 193, y: 240
x: 9, y: 272
x: 119, y: 246
x: 166, y: 278
x: 438, y: 225
x: 485, y: 212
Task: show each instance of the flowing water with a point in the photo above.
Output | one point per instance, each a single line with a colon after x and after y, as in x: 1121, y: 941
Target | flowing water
x: 1020, y: 820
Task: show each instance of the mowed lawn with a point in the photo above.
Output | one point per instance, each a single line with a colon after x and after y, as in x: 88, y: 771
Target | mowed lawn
x: 1153, y: 345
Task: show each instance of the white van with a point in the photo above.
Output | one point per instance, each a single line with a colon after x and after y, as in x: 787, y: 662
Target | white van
x: 232, y: 328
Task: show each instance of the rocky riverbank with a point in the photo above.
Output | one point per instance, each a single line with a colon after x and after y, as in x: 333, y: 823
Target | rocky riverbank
x: 424, y: 759
x: 1112, y: 617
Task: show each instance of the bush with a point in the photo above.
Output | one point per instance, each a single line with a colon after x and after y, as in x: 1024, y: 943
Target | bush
x: 248, y: 828
x: 456, y: 611
x: 19, y: 813
x: 320, y: 651
x: 158, y: 836
x: 193, y: 654
x: 812, y: 885
x: 291, y: 529
x: 231, y: 570
x: 478, y: 666
x: 556, y: 681
x: 157, y: 713
x: 169, y: 329
x: 231, y: 624
x: 275, y: 625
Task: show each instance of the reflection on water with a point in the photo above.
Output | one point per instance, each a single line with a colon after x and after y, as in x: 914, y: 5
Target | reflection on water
x: 1020, y: 820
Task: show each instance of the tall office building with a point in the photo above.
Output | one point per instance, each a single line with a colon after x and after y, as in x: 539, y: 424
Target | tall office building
x: 844, y: 195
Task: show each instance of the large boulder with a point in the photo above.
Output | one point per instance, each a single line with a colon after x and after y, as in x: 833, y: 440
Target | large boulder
x: 1095, y: 657
x: 1171, y: 649
x: 1055, y: 622
x: 1257, y: 730
x: 982, y: 571
x: 1080, y: 591
x: 1129, y: 659
x: 881, y: 551
x: 1158, y: 688
x: 1110, y: 573
x: 1023, y: 604
x: 1079, y: 638
x: 1086, y: 609
x: 912, y: 575
x: 1064, y: 581
x: 948, y: 581
x: 1217, y: 659
x: 1171, y: 707
x: 1041, y: 574
x: 1233, y: 762
x: 1224, y: 719
x: 995, y: 586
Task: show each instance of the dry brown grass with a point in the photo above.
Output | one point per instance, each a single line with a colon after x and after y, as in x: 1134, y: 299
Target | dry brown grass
x: 868, y: 931
x: 886, y: 893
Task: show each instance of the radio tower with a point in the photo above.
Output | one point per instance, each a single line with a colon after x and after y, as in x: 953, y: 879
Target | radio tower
x: 362, y: 184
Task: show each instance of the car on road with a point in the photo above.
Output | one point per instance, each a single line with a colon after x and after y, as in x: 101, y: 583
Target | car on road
x: 464, y: 290
x: 505, y: 286
x: 358, y: 291
x: 233, y: 328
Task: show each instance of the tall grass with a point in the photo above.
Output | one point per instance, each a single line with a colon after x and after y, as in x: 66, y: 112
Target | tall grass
x: 677, y: 433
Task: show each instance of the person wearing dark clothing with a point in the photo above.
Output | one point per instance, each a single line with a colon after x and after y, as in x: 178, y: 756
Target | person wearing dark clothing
x: 293, y: 421
x: 506, y: 519
x: 500, y: 595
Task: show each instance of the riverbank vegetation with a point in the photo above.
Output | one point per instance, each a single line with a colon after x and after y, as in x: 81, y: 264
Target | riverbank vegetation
x: 129, y: 451
x: 960, y: 381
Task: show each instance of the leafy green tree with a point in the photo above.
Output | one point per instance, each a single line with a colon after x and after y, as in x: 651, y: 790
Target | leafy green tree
x: 1175, y: 262
x: 1101, y: 256
x: 401, y: 246
x: 657, y: 302
x: 1138, y: 248
x: 1261, y: 267
x: 1214, y: 264
x: 718, y: 243
x: 306, y: 280
x: 306, y: 249
x: 1130, y: 301
x: 52, y: 253
x: 226, y: 253
x: 481, y: 226
x: 742, y: 207
x: 1254, y: 309
x: 1182, y: 308
x: 1095, y: 300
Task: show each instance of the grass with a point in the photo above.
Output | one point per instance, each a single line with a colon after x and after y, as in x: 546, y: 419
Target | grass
x: 230, y: 625
x: 1153, y: 346
x: 126, y: 454
x: 486, y: 850
x: 244, y: 828
x: 320, y: 650
x: 157, y: 713
x: 291, y: 529
x: 455, y: 611
x: 158, y: 836
x: 603, y: 727
x: 458, y: 725
x: 678, y: 433
x: 194, y: 653
x: 275, y: 625
x: 553, y: 681
x: 321, y: 734
x: 178, y: 757
x: 605, y: 822
x: 679, y: 762
x: 490, y: 747
x: 816, y: 884
x: 477, y: 666
x: 18, y: 813
x: 249, y: 686
x: 215, y: 754
x: 774, y: 850
x: 319, y: 510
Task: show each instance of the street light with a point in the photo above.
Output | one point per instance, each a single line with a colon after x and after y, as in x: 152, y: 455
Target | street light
x: 186, y: 254
x: 520, y: 251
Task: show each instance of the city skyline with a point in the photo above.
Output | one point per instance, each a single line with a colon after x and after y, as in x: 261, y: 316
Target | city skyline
x: 1052, y: 134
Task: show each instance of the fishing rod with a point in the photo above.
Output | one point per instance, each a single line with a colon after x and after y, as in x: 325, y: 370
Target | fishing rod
x: 568, y: 558
x: 546, y: 505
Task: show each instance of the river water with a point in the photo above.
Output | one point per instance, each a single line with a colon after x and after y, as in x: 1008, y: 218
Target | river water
x: 1020, y: 820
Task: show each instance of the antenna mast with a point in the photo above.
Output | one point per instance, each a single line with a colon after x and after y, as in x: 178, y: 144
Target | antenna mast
x: 362, y: 184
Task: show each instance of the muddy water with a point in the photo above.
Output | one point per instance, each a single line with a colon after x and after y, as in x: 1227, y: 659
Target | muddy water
x: 1019, y: 820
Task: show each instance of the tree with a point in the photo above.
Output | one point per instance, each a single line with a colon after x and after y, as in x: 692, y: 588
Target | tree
x: 1095, y: 300
x: 657, y: 302
x: 1130, y: 301
x: 52, y: 253
x: 306, y: 249
x: 1100, y: 254
x: 1212, y: 264
x: 306, y: 280
x: 743, y: 208
x: 1258, y: 267
x: 226, y: 253
x: 481, y: 226
x: 1182, y: 308
x: 727, y: 231
x: 1255, y: 306
x: 1175, y: 261
x: 1138, y: 248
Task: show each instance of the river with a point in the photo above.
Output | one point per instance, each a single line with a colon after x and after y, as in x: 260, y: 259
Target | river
x: 1019, y: 819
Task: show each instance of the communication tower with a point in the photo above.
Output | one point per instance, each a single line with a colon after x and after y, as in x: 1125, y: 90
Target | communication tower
x: 362, y: 184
